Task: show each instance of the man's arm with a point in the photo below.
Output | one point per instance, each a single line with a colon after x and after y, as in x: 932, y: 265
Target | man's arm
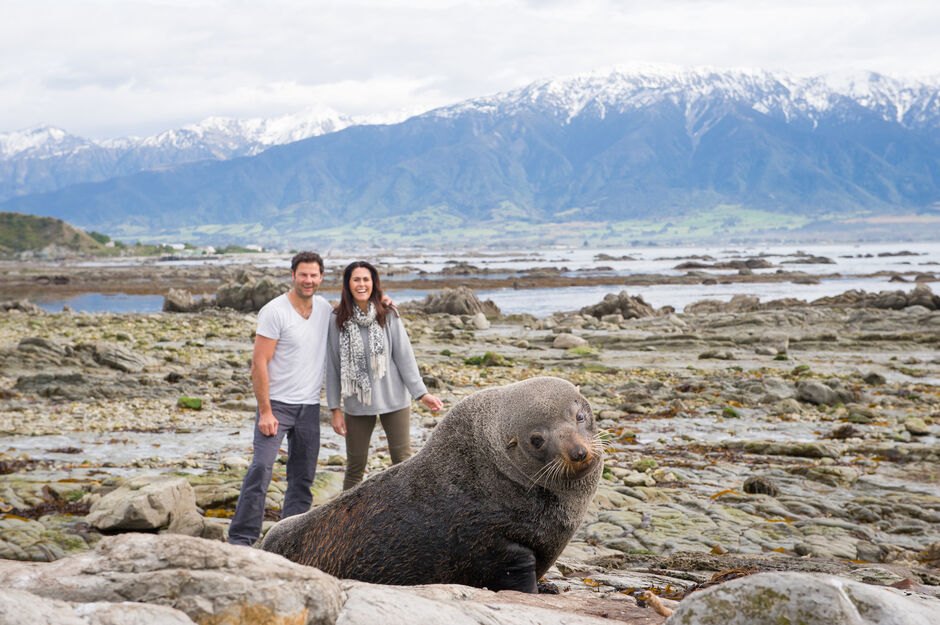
x: 264, y: 351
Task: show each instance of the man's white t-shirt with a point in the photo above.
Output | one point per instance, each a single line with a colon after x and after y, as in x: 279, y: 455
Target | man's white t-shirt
x: 295, y: 372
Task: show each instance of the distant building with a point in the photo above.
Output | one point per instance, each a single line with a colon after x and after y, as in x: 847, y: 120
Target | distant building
x: 254, y: 248
x: 179, y: 247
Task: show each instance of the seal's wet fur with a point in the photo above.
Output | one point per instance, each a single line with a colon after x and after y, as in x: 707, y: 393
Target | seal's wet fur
x: 478, y: 505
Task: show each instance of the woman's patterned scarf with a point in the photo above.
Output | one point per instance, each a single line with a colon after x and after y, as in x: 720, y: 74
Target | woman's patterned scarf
x: 352, y: 354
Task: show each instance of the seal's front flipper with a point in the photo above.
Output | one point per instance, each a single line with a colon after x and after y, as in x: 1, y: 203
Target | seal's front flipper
x: 516, y: 571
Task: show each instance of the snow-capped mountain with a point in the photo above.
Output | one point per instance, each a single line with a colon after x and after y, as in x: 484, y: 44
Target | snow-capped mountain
x: 45, y: 158
x: 649, y: 143
x: 913, y: 104
x: 39, y: 142
x: 223, y: 136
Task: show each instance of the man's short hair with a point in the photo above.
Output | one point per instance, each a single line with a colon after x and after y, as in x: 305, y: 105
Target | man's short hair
x: 305, y: 257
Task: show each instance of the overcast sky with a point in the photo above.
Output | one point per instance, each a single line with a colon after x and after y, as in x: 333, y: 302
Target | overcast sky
x: 103, y: 68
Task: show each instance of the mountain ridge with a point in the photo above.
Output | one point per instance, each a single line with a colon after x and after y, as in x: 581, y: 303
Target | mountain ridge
x: 46, y: 158
x: 605, y: 148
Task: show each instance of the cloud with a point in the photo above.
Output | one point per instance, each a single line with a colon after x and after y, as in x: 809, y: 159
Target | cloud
x: 107, y: 67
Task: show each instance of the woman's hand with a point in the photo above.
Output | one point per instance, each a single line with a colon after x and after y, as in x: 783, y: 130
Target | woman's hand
x: 339, y: 421
x: 432, y: 402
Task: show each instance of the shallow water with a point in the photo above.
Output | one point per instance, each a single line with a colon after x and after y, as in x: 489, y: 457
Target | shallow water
x: 543, y: 302
x: 207, y: 445
x: 851, y: 261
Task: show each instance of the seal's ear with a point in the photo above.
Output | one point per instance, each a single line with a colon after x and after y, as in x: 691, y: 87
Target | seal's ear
x: 512, y: 443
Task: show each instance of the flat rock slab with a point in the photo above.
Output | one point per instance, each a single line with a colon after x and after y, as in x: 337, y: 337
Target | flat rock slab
x: 774, y: 598
x: 166, y: 578
x: 209, y: 581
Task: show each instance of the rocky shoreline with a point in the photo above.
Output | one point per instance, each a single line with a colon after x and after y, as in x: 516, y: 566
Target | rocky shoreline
x: 743, y: 436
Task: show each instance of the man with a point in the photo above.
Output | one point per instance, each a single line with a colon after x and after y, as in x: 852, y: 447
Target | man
x: 287, y: 374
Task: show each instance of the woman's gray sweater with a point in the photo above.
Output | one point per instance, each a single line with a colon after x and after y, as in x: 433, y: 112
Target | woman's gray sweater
x: 391, y: 392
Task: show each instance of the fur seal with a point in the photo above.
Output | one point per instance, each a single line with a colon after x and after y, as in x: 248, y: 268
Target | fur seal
x: 490, y: 501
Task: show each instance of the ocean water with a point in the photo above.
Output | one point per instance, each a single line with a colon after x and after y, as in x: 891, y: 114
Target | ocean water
x: 852, y: 263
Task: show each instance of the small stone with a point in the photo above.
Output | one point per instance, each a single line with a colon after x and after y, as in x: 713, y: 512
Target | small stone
x: 234, y: 463
x: 874, y: 379
x: 336, y: 460
x: 815, y: 392
x: 757, y: 485
x: 916, y: 426
x: 787, y: 406
x: 638, y: 479
x: 664, y: 475
x: 479, y: 321
x: 843, y: 431
x: 566, y: 340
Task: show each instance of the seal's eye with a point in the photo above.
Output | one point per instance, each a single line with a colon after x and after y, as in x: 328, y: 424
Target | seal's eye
x: 581, y: 417
x: 537, y: 441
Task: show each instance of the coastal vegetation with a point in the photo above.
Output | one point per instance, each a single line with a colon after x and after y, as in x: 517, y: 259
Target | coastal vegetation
x: 20, y: 233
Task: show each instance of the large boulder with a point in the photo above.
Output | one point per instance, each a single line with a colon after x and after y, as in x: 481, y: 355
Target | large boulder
x: 921, y: 295
x: 43, y: 347
x: 180, y: 300
x: 209, y: 581
x: 120, y: 358
x: 629, y: 306
x: 808, y: 599
x: 738, y: 303
x: 458, y: 301
x: 21, y: 305
x: 151, y: 502
x: 251, y: 295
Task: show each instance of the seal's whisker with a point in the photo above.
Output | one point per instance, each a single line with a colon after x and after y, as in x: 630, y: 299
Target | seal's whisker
x: 546, y: 473
x: 540, y: 473
x: 557, y: 467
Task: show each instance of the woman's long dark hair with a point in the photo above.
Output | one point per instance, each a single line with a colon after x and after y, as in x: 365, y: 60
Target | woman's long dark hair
x: 346, y: 302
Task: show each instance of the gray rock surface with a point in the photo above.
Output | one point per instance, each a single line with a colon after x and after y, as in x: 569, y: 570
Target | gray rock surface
x: 808, y: 599
x: 147, y: 578
x: 368, y: 604
x: 19, y: 607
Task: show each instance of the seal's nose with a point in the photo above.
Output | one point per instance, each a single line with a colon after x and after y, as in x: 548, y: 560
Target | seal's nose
x: 577, y: 453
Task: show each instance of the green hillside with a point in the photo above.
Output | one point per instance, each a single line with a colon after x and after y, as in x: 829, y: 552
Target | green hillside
x: 21, y: 233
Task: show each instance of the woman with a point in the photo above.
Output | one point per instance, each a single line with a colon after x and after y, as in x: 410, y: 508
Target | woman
x: 370, y: 364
